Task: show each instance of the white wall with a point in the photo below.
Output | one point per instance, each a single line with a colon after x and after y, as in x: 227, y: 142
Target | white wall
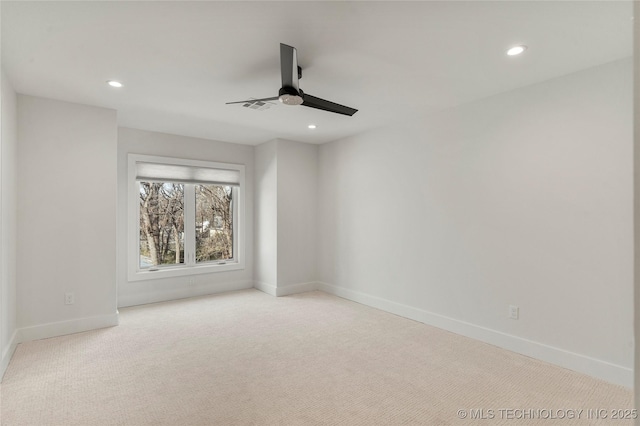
x: 152, y: 143
x: 8, y: 221
x: 524, y: 198
x: 66, y: 216
x: 286, y: 216
x: 266, y: 216
x: 636, y: 208
x: 297, y: 213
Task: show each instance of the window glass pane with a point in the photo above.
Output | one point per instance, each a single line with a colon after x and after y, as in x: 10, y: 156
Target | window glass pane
x: 161, y: 224
x: 214, y: 223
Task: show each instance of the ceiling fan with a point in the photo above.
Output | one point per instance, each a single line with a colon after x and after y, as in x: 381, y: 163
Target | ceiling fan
x: 291, y: 94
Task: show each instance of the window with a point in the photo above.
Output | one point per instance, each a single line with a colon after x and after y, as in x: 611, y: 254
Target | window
x: 185, y: 217
x: 214, y: 223
x: 161, y: 224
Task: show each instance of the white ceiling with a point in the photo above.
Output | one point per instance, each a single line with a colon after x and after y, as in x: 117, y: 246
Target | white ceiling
x: 181, y: 61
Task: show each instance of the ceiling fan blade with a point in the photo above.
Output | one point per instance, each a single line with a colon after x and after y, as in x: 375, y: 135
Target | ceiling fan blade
x: 249, y: 101
x: 313, y: 102
x: 289, y: 66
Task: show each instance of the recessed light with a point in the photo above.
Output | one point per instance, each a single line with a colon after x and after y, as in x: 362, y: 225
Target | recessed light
x: 312, y: 126
x: 516, y: 50
x: 114, y: 83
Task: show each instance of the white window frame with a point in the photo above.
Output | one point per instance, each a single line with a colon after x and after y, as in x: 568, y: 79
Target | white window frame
x: 189, y: 267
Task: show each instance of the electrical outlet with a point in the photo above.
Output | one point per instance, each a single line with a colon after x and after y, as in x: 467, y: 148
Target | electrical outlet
x: 69, y: 298
x: 514, y: 312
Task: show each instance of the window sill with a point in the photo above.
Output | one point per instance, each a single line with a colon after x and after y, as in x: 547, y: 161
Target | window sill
x: 181, y: 271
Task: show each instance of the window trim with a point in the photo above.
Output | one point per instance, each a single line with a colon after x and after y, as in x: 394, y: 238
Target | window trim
x: 134, y: 272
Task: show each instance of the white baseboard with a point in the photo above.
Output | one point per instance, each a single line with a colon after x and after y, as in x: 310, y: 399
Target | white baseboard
x: 296, y: 288
x: 54, y: 329
x: 182, y: 292
x: 285, y: 290
x: 581, y: 363
x: 7, y: 354
x: 265, y: 288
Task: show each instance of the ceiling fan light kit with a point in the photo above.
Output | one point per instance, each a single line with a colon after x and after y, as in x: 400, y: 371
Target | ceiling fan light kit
x: 290, y: 92
x: 290, y: 96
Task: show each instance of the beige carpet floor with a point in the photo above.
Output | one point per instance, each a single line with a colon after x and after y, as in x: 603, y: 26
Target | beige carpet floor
x: 246, y: 358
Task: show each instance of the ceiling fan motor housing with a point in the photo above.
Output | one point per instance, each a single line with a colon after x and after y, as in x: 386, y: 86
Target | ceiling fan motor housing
x: 290, y: 96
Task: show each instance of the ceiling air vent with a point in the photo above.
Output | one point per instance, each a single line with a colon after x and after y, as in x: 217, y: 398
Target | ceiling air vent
x: 258, y: 105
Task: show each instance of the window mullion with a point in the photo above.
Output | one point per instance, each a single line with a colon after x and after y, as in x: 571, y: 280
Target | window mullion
x: 189, y: 224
